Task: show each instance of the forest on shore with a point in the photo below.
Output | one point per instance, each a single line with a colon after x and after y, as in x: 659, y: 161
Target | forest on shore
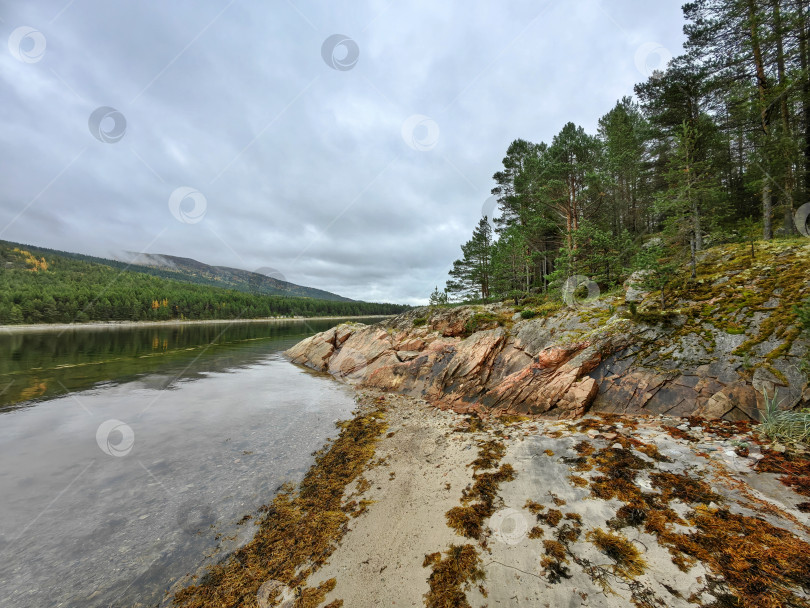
x: 715, y: 148
x: 42, y: 287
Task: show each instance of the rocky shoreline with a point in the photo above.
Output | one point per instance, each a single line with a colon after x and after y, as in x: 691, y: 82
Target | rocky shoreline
x: 731, y: 339
x: 606, y: 453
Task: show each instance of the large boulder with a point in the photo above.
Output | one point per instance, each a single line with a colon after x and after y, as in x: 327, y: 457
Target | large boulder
x: 577, y: 360
x: 634, y: 287
x: 490, y: 370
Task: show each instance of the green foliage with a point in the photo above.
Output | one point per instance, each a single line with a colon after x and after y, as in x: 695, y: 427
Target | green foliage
x: 717, y: 146
x: 480, y: 321
x: 784, y: 425
x: 471, y: 275
x: 598, y: 254
x: 528, y: 314
x: 439, y: 298
x: 66, y: 290
x: 659, y: 266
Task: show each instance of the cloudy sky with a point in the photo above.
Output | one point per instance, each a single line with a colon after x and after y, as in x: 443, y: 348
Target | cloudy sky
x: 348, y: 144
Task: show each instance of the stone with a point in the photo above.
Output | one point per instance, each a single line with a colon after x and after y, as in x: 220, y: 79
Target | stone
x: 668, y: 397
x: 688, y: 381
x: 717, y: 406
x: 547, y: 366
x: 634, y: 289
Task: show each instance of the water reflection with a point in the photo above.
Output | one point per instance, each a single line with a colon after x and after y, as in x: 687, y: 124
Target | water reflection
x: 38, y: 365
x: 81, y: 526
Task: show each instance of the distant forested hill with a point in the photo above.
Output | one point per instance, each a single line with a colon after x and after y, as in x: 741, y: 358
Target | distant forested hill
x: 187, y: 269
x: 46, y: 286
x: 192, y: 271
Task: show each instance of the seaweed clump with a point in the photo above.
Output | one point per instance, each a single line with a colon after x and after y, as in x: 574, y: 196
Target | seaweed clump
x: 557, y: 551
x: 758, y: 565
x: 619, y: 468
x: 452, y: 576
x: 554, y: 561
x: 794, y: 469
x: 551, y: 517
x: 468, y: 520
x: 312, y: 598
x: 489, y: 454
x: 628, y: 561
x: 298, y: 530
x: 762, y: 564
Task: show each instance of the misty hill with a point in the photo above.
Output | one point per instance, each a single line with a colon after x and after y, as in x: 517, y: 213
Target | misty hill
x: 46, y: 286
x: 192, y: 271
x: 267, y: 281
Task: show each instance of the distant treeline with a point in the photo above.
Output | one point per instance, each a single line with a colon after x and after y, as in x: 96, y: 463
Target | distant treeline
x: 58, y: 289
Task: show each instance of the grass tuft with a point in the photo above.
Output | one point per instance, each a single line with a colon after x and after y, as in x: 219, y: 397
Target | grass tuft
x: 784, y: 425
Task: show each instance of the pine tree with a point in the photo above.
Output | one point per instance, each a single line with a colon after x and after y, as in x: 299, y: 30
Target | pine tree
x: 471, y: 275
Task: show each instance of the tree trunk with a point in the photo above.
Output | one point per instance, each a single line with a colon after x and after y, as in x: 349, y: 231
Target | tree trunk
x: 803, y: 62
x: 762, y: 87
x: 762, y: 79
x: 692, y: 257
x: 788, y: 181
x: 780, y: 63
x: 767, y: 209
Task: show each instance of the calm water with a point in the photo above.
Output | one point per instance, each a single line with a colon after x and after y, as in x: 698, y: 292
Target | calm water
x: 127, y: 457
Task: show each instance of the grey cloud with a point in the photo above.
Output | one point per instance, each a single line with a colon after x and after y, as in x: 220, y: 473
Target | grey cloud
x: 303, y: 167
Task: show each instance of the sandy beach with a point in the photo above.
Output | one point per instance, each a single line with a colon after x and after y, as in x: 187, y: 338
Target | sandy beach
x: 542, y: 545
x: 610, y: 511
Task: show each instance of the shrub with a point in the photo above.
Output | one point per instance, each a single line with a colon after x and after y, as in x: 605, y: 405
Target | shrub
x: 528, y: 314
x: 784, y: 425
x: 481, y: 320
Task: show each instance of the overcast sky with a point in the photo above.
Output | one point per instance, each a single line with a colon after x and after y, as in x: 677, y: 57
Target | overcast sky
x: 246, y: 133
